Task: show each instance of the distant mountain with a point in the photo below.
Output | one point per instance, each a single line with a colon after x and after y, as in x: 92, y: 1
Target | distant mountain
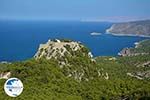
x: 139, y: 28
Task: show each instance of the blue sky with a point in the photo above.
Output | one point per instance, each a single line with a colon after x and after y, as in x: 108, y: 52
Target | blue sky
x: 85, y: 10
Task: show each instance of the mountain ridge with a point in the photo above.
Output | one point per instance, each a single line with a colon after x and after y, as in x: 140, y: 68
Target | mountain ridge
x: 133, y: 28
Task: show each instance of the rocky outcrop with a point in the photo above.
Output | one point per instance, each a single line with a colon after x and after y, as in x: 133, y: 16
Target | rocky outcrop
x: 125, y: 52
x: 58, y: 49
x: 129, y: 52
x: 140, y: 75
x: 136, y: 28
x: 5, y: 75
x: 141, y: 48
x: 145, y: 74
x: 145, y: 64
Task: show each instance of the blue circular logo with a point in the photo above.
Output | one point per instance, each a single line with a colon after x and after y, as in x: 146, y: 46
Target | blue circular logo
x: 13, y: 87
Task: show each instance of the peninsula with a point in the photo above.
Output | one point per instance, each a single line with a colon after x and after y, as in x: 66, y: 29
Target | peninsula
x: 134, y: 28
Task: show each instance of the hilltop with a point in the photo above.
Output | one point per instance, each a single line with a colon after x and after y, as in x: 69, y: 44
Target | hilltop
x: 69, y: 56
x: 61, y: 49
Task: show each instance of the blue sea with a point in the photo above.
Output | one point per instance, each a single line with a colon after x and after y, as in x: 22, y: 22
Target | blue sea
x: 19, y: 40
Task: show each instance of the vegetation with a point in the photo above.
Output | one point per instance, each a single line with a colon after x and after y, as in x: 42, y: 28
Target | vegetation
x: 142, y: 47
x: 80, y: 79
x: 131, y: 28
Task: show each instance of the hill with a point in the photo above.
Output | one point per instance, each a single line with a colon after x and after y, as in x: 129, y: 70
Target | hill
x: 135, y: 28
x: 81, y: 77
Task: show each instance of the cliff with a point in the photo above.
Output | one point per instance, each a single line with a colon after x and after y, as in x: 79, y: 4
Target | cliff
x: 141, y: 48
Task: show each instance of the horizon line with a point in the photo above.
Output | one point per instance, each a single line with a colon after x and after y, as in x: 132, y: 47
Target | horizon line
x: 75, y: 20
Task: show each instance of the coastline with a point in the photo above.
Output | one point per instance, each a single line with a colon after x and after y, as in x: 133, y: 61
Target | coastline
x: 120, y: 34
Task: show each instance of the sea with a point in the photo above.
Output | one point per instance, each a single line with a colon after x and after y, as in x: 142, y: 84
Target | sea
x: 19, y: 40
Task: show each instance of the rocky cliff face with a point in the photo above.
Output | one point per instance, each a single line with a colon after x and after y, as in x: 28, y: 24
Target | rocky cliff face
x: 139, y: 28
x: 141, y: 48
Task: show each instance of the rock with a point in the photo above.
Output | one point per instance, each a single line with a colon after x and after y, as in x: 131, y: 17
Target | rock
x: 57, y: 49
x: 145, y: 64
x: 112, y: 59
x: 130, y: 74
x: 125, y: 52
x: 106, y: 77
x: 141, y: 48
x: 5, y: 75
x: 140, y: 75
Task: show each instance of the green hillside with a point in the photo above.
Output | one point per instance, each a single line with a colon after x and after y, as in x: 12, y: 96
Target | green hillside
x: 82, y: 78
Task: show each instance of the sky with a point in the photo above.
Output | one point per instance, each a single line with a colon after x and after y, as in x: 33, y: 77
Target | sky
x: 83, y: 10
